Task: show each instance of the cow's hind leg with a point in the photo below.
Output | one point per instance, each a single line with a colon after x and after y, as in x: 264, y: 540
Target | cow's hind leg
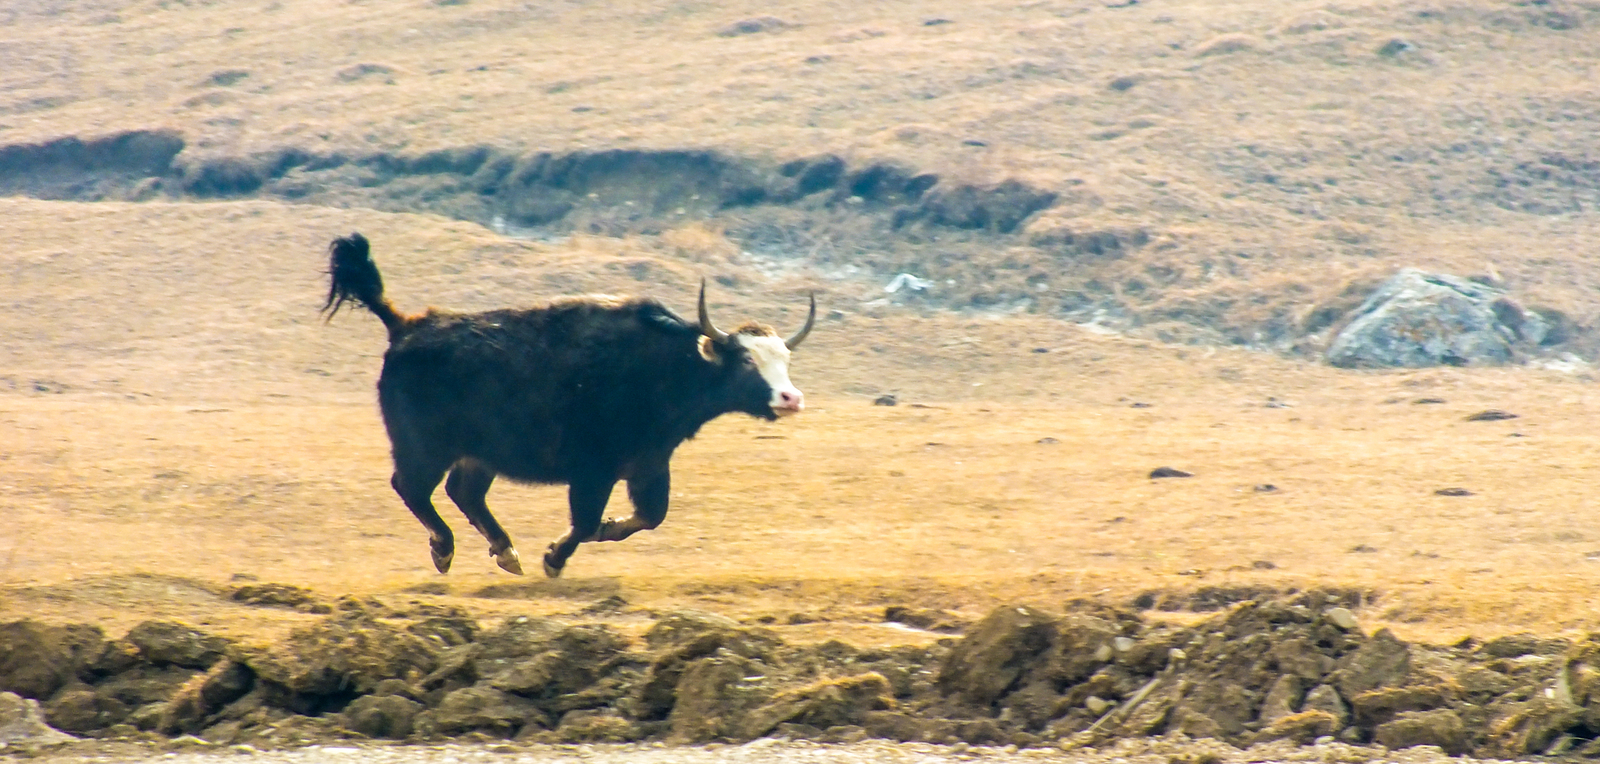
x: 415, y: 483
x: 649, y: 495
x: 467, y: 486
x: 586, y: 498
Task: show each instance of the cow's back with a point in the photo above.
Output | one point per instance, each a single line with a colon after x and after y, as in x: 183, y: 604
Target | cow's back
x: 534, y: 394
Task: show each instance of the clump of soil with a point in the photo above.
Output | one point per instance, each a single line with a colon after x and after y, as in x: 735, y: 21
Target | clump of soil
x: 1296, y: 668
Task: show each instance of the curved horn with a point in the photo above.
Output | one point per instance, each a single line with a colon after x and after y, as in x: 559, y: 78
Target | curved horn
x: 706, y: 327
x: 800, y: 336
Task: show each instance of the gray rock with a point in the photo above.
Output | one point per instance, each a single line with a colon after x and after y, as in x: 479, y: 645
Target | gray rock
x: 21, y: 721
x: 1442, y: 728
x: 824, y: 704
x: 341, y: 653
x: 713, y: 696
x: 35, y: 659
x: 985, y: 664
x: 593, y: 726
x: 83, y: 711
x: 1343, y: 618
x: 480, y: 708
x: 679, y: 626
x: 190, y: 708
x: 1418, y: 319
x: 1324, y: 698
x: 172, y: 643
x: 1382, y: 661
x: 382, y: 716
x: 1282, y: 699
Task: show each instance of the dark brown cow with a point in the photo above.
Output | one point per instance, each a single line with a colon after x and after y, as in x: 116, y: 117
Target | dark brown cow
x: 584, y: 391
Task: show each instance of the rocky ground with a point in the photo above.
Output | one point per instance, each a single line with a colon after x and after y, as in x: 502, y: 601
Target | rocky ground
x: 1295, y: 671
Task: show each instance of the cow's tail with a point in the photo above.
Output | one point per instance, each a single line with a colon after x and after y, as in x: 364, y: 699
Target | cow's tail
x: 355, y: 277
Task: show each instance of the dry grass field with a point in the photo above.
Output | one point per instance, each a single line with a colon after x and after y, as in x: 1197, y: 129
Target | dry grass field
x: 175, y: 418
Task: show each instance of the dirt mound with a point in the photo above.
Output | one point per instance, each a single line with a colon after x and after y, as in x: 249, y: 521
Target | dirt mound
x: 1295, y: 669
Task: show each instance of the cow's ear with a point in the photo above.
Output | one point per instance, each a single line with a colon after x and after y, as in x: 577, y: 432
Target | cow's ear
x: 708, y: 349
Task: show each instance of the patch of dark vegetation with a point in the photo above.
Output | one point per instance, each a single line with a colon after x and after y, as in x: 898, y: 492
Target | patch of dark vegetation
x: 822, y: 207
x: 585, y: 589
x: 1209, y: 599
x: 279, y: 595
x: 965, y: 246
x: 88, y: 169
x: 1296, y: 667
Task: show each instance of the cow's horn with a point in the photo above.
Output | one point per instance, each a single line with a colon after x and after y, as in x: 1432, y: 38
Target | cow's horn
x: 800, y: 336
x: 706, y: 327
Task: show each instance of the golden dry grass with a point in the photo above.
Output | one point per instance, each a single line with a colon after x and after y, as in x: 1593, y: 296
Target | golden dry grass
x: 1271, y: 148
x: 173, y: 412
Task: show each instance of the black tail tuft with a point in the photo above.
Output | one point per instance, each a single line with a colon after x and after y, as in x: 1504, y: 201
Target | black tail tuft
x: 355, y: 277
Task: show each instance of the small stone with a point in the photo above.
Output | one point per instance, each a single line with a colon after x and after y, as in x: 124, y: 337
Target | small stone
x: 1452, y: 492
x: 1491, y: 415
x: 887, y: 399
x: 1169, y: 472
x: 1342, y: 617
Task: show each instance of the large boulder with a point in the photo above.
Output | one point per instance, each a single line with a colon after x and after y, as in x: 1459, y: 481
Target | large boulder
x: 678, y: 626
x: 81, y: 711
x: 1382, y: 661
x: 657, y: 695
x: 1530, y: 727
x: 995, y: 653
x: 1442, y: 728
x: 341, y: 654
x: 382, y: 716
x: 1418, y: 319
x: 823, y: 704
x: 145, y: 684
x: 22, y: 722
x: 171, y: 643
x: 570, y: 662
x: 35, y: 659
x: 192, y: 706
x: 713, y: 695
x: 482, y: 709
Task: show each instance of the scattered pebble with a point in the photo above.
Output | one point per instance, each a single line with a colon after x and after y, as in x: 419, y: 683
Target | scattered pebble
x: 1491, y: 415
x: 1169, y: 472
x: 1342, y: 617
x: 1453, y: 492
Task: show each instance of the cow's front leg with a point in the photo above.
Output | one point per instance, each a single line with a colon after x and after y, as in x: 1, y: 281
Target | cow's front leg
x: 586, y: 499
x: 649, y: 495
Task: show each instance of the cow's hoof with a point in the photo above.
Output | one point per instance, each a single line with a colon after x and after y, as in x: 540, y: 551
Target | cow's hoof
x: 551, y: 571
x: 442, y: 561
x: 508, y: 561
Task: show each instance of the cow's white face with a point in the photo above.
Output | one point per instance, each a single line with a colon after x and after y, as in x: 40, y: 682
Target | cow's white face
x: 771, y: 358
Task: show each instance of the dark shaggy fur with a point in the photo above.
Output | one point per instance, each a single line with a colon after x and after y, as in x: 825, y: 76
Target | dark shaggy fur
x: 584, y: 391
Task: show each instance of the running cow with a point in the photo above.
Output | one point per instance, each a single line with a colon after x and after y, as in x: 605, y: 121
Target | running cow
x: 584, y: 391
